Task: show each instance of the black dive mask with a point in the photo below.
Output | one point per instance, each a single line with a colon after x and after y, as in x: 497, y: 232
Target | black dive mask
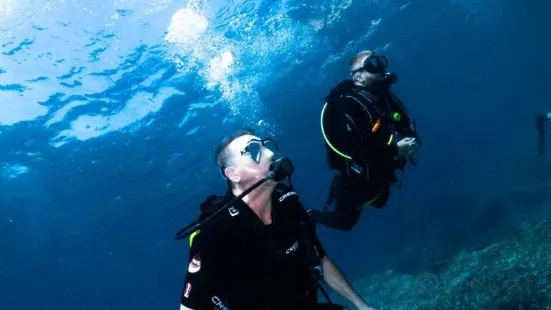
x: 255, y: 148
x: 373, y: 64
x: 280, y: 168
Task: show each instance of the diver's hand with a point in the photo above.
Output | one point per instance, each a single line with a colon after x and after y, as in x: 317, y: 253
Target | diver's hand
x: 407, y: 146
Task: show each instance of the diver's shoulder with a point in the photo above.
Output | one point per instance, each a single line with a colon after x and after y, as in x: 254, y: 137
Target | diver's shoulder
x: 217, y: 227
x: 216, y: 211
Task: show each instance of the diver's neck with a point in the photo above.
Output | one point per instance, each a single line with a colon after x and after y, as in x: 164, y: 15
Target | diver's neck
x: 259, y: 200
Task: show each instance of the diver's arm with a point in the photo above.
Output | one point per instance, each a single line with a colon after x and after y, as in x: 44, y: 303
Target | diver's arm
x: 334, y: 277
x: 336, y: 280
x: 202, y: 272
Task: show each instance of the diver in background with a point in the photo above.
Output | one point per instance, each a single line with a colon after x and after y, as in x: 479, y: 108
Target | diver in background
x: 540, y: 120
x: 368, y: 135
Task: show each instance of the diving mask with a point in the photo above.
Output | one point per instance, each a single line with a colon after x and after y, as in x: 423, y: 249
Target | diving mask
x: 255, y: 148
x: 280, y: 168
x: 373, y: 64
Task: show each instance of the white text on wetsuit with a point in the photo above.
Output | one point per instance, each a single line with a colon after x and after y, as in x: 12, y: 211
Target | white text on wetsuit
x: 293, y: 248
x: 218, y: 303
x: 287, y: 195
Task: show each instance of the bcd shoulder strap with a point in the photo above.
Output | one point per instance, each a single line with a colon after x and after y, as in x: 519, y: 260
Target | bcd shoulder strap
x: 211, y: 205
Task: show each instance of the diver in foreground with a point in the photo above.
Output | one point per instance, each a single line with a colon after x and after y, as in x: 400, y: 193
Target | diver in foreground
x: 540, y: 120
x: 254, y: 247
x: 368, y: 135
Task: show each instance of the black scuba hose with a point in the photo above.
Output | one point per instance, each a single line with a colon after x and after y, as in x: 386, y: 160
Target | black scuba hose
x: 280, y: 169
x: 195, y: 225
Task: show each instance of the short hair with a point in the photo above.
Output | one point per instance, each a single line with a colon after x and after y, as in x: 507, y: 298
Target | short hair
x: 222, y: 155
x: 357, y: 60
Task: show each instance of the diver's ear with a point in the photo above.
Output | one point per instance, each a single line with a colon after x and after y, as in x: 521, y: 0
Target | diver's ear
x: 231, y: 174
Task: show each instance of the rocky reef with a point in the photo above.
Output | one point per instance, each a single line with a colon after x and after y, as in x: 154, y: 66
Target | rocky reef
x: 514, y: 273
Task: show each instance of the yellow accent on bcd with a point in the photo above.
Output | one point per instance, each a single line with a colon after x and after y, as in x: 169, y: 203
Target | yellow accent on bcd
x: 195, y: 233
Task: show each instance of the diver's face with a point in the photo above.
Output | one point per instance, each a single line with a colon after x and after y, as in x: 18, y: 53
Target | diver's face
x: 250, y: 163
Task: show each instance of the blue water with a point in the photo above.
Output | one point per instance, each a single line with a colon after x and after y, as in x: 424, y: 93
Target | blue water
x: 110, y: 111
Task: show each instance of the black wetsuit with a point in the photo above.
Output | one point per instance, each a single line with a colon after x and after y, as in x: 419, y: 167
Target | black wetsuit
x: 362, y: 126
x: 237, y: 262
x: 540, y: 120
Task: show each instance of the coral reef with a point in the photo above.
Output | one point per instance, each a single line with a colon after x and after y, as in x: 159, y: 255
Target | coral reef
x: 514, y: 273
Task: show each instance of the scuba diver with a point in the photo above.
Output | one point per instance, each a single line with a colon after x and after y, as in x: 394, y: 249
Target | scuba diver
x: 254, y: 247
x: 369, y: 135
x: 540, y: 120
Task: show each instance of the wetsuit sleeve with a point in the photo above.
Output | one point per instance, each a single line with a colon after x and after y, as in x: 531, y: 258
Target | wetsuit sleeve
x: 202, y: 268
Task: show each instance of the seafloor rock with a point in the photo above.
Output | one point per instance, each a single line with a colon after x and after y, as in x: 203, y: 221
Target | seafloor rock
x: 512, y: 274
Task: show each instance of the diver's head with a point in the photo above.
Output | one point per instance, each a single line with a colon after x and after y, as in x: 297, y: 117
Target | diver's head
x: 244, y: 158
x: 369, y: 70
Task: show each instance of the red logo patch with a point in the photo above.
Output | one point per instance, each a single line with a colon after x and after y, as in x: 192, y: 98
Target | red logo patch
x: 195, y: 264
